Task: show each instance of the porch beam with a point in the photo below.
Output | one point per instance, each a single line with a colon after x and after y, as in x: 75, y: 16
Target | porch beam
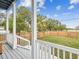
x: 14, y: 26
x: 34, y: 29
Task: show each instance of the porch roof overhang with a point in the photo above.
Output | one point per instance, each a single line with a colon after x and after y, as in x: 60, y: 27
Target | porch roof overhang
x: 4, y: 4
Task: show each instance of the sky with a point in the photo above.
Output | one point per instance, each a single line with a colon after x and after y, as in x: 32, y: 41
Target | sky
x: 65, y: 11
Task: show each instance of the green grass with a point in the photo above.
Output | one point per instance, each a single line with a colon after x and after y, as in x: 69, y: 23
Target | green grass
x: 66, y: 41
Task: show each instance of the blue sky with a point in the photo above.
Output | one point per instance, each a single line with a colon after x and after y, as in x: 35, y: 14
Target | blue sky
x: 66, y: 11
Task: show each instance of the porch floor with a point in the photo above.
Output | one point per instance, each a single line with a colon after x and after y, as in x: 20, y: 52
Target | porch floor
x: 18, y: 53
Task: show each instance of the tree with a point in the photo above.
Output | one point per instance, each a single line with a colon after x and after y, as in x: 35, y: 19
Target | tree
x: 62, y: 27
x: 23, y: 22
x: 49, y: 24
x: 54, y: 25
x: 23, y: 19
x: 41, y: 24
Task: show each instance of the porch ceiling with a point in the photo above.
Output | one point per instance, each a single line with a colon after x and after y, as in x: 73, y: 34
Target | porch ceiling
x: 4, y: 4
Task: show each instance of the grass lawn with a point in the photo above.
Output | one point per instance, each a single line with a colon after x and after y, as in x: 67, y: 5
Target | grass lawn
x: 70, y: 42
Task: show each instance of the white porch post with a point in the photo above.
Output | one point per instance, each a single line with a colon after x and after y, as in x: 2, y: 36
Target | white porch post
x: 14, y: 26
x: 34, y: 29
x: 7, y: 24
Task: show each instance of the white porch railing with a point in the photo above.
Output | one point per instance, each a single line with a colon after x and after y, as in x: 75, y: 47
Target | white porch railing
x: 25, y: 43
x: 10, y: 39
x: 46, y: 50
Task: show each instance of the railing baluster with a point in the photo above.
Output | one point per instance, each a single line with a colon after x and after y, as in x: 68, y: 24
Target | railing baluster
x: 38, y: 50
x: 42, y: 52
x: 46, y: 53
x: 53, y: 53
x: 58, y: 53
x: 49, y: 52
x: 70, y: 55
x: 63, y: 54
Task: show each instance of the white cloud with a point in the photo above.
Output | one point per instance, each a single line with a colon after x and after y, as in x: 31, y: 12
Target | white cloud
x: 71, y: 7
x: 41, y: 4
x: 55, y: 15
x: 58, y: 7
x: 26, y: 3
x: 38, y: 10
x: 48, y: 16
x: 74, y: 1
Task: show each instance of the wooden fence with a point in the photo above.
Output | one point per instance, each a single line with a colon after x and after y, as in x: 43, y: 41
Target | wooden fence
x: 51, y: 33
x: 59, y: 33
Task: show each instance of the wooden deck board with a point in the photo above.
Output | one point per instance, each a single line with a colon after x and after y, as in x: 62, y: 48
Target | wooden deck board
x: 4, y: 56
x: 17, y: 53
x: 25, y: 52
x: 10, y: 52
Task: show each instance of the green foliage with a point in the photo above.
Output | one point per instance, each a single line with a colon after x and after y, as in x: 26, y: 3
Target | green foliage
x: 49, y: 24
x: 23, y: 17
x: 66, y: 41
x: 41, y: 24
x: 23, y: 22
x: 10, y: 24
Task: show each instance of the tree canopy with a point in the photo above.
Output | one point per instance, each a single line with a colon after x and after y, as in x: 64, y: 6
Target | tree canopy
x: 23, y: 22
x: 49, y: 24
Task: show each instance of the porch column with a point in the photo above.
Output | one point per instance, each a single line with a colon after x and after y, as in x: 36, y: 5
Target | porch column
x: 14, y: 26
x: 34, y: 29
x: 7, y: 24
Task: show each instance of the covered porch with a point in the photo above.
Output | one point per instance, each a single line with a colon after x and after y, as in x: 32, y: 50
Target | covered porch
x: 38, y: 49
x: 10, y: 49
x: 18, y: 53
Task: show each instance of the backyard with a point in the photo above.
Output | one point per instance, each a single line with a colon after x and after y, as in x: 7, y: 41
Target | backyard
x: 71, y: 42
x: 66, y: 41
x: 70, y: 39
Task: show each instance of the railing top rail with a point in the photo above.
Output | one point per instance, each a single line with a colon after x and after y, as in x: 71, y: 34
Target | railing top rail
x: 22, y: 38
x: 26, y: 46
x: 65, y: 48
x: 2, y: 31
